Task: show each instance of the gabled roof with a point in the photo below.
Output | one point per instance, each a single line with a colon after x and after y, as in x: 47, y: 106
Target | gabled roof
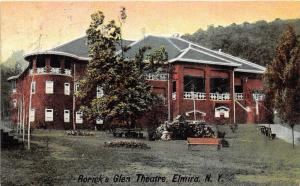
x: 178, y: 49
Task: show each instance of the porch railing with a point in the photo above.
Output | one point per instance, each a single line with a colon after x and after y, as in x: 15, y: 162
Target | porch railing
x: 194, y: 95
x: 258, y: 96
x: 161, y: 77
x: 239, y: 96
x: 53, y: 70
x: 68, y: 72
x: 41, y: 70
x: 219, y: 97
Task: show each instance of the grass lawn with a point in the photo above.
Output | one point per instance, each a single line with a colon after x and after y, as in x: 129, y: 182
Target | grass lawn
x: 251, y: 159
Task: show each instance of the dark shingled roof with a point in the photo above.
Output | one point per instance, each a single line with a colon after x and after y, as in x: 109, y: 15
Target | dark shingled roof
x: 79, y: 47
x: 154, y: 43
x: 179, y: 50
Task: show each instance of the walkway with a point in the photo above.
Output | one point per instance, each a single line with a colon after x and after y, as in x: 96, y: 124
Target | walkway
x: 284, y: 132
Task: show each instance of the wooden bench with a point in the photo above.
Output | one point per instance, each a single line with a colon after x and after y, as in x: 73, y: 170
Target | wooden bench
x: 203, y: 141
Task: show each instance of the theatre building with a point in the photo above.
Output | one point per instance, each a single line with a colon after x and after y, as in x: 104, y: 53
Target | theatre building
x: 203, y: 84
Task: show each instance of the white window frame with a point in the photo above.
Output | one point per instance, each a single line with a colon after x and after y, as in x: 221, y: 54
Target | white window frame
x: 47, y: 116
x: 33, y: 87
x: 32, y: 115
x: 76, y: 87
x: 66, y: 116
x: 15, y: 103
x: 222, y: 111
x: 67, y: 88
x: 99, y: 92
x: 49, y: 86
x: 79, y: 117
x: 14, y: 86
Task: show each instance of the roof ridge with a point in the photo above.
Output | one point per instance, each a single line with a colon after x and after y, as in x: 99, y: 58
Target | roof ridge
x: 228, y: 55
x: 213, y: 55
x: 168, y: 39
x: 243, y: 60
x: 183, y: 52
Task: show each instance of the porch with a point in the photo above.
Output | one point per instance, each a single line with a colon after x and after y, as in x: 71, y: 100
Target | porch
x: 50, y: 65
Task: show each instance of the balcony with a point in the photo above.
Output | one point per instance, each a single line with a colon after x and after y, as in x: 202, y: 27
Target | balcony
x: 194, y: 95
x: 159, y: 77
x: 58, y: 71
x: 239, y: 96
x: 258, y: 96
x: 219, y: 97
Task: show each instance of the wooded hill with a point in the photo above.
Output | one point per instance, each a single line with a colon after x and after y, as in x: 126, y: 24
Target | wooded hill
x: 255, y: 42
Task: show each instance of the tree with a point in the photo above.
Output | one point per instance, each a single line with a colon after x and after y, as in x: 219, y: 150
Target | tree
x: 282, y: 79
x: 127, y: 95
x: 255, y: 42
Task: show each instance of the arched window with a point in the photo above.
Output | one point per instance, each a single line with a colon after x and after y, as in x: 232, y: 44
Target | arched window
x: 222, y: 110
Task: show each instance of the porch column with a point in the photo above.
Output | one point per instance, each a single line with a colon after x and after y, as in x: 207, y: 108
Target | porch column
x: 34, y: 65
x: 207, y: 83
x: 245, y: 88
x: 47, y: 62
x: 62, y: 64
x: 231, y: 83
x: 179, y: 89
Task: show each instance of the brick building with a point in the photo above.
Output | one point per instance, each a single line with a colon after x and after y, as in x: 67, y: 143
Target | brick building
x: 204, y: 84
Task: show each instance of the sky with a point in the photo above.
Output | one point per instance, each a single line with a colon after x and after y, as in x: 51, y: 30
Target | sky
x: 31, y: 26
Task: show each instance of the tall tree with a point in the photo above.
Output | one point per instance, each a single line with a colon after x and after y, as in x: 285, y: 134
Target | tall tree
x: 126, y: 93
x: 283, y: 79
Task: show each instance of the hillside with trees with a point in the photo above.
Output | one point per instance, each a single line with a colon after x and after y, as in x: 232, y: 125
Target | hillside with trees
x: 255, y: 42
x: 10, y: 67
